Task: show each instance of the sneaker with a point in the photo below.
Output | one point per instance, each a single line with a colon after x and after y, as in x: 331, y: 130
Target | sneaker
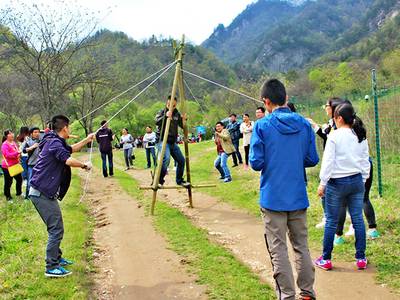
x: 234, y: 166
x: 245, y: 167
x: 184, y: 184
x: 372, y: 233
x: 321, y: 224
x: 362, y: 264
x: 324, y: 264
x: 339, y: 240
x: 350, y: 232
x: 65, y: 262
x: 57, y: 272
x: 221, y: 178
x: 228, y: 179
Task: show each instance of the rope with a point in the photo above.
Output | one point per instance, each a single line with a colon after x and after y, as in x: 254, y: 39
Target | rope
x: 222, y: 86
x: 109, y: 120
x: 194, y: 97
x: 127, y: 90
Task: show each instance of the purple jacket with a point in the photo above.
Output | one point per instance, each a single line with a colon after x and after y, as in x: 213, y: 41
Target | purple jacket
x: 51, y: 176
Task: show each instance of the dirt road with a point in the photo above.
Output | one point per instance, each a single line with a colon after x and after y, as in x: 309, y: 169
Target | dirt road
x: 132, y: 258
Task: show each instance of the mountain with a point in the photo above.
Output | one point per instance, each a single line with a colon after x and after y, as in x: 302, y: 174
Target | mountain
x: 282, y: 35
x: 235, y: 41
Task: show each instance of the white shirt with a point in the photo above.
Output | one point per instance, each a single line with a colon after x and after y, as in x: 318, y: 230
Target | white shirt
x: 127, y: 141
x: 344, y: 156
x: 246, y: 130
x: 149, y: 137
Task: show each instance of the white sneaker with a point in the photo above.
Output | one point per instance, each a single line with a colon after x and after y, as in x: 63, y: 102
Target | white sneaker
x: 350, y: 232
x: 322, y: 224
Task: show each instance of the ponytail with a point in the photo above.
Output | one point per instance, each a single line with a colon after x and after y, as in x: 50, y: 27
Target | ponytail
x: 359, y: 129
x: 346, y: 111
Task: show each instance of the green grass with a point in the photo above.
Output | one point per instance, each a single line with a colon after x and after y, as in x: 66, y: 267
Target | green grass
x: 23, y: 238
x: 225, y: 277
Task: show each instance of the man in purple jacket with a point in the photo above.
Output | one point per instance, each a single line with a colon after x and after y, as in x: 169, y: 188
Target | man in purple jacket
x: 50, y: 181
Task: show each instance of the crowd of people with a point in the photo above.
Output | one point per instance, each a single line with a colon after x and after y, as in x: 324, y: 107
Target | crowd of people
x: 280, y: 144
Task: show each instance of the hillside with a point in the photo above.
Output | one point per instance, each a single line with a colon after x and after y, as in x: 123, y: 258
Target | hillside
x: 284, y: 36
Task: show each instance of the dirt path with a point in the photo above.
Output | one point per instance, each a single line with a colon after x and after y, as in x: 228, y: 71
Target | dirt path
x: 243, y: 235
x: 132, y: 258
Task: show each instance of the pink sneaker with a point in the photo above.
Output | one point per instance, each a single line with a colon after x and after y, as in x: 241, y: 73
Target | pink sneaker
x: 324, y: 264
x: 362, y: 264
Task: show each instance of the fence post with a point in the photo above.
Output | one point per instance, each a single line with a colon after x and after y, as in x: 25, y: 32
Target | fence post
x: 377, y: 133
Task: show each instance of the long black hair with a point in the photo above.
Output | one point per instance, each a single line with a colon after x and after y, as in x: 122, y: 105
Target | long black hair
x: 346, y: 111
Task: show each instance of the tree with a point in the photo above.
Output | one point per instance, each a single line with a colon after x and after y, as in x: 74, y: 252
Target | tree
x: 43, y: 41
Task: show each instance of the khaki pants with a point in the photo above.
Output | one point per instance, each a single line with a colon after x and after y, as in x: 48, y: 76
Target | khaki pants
x: 277, y: 225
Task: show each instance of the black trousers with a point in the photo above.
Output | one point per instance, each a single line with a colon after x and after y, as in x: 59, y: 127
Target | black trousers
x: 8, y: 180
x: 369, y: 211
x: 246, y: 154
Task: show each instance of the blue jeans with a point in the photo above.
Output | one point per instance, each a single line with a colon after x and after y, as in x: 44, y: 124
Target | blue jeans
x: 104, y: 156
x: 151, y: 152
x: 28, y: 182
x: 50, y: 212
x: 174, y: 151
x: 349, y: 191
x: 24, y: 163
x: 128, y: 157
x: 221, y: 165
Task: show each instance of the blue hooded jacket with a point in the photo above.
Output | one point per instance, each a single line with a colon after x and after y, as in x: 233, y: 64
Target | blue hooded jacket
x: 282, y: 145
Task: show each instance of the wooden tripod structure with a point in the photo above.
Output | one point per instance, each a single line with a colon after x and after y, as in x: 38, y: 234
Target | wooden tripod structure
x: 177, y: 86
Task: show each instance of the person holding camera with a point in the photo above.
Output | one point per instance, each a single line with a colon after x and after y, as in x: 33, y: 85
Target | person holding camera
x: 149, y: 142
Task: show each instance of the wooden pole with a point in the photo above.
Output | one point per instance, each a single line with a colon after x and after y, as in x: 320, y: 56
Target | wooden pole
x: 179, y: 187
x: 178, y: 57
x: 183, y: 108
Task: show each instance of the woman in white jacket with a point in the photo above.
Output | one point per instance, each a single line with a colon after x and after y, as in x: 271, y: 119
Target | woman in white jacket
x: 246, y: 128
x: 344, y: 170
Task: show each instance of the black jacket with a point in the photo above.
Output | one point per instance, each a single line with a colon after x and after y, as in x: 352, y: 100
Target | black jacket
x: 176, y: 122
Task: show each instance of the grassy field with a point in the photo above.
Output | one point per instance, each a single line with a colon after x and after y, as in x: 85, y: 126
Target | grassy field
x: 225, y: 277
x: 23, y: 239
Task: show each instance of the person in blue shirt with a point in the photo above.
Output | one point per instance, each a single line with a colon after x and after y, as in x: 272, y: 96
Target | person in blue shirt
x: 282, y: 145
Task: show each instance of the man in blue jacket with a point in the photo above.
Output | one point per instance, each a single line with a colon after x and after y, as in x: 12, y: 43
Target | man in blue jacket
x: 282, y: 145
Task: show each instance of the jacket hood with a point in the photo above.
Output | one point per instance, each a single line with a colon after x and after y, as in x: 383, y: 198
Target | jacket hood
x: 285, y: 121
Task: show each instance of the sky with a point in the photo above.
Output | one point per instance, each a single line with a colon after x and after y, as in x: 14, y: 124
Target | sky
x: 140, y: 19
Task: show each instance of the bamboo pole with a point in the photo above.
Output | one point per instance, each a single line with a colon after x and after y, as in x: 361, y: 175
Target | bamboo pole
x: 183, y: 108
x: 166, y: 131
x: 179, y: 187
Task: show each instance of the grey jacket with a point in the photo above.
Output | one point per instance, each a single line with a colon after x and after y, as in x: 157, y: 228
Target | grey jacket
x: 33, y: 155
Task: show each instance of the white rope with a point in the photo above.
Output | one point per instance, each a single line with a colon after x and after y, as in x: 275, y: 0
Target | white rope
x: 193, y: 96
x: 127, y: 90
x: 108, y: 121
x: 222, y: 86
